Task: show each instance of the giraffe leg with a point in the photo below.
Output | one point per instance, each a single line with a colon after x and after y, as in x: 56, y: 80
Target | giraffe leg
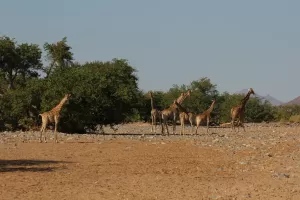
x: 191, y: 122
x: 166, y: 125
x: 55, y: 129
x: 152, y: 118
x: 181, y: 125
x: 232, y: 124
x: 45, y: 136
x: 162, y: 126
x: 207, y: 124
x: 182, y: 131
x: 41, y: 132
x: 196, y: 129
x: 174, y: 124
x: 238, y: 123
x: 43, y: 128
x: 159, y: 121
x: 154, y: 124
x: 242, y: 122
x: 197, y: 125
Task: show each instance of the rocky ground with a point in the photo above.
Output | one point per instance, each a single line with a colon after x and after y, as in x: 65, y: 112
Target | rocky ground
x: 132, y: 163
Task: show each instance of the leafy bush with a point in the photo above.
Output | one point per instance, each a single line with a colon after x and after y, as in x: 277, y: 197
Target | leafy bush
x: 295, y: 118
x: 20, y: 107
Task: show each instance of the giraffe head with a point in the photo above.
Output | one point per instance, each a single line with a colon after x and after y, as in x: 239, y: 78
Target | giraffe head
x: 67, y: 96
x: 188, y: 93
x: 251, y: 91
x: 151, y: 94
x: 182, y: 95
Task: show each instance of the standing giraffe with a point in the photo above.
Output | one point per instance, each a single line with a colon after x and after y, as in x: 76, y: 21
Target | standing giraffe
x: 239, y: 111
x: 155, y: 113
x: 172, y: 112
x: 205, y: 116
x: 52, y: 116
x: 184, y: 115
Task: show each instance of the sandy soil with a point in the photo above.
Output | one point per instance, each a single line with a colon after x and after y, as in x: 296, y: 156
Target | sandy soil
x: 261, y: 163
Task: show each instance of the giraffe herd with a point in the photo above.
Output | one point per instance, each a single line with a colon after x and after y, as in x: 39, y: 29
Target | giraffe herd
x: 173, y: 112
x: 176, y: 110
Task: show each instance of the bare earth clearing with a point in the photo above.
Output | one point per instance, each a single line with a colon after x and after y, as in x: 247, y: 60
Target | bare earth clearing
x: 261, y: 163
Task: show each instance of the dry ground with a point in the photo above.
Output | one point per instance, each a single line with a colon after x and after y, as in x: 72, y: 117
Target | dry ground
x: 261, y: 163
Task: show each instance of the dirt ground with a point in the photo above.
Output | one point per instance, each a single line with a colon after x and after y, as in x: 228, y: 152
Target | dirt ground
x: 261, y: 163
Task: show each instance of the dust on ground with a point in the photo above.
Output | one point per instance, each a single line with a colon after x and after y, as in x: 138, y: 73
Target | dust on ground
x: 132, y: 163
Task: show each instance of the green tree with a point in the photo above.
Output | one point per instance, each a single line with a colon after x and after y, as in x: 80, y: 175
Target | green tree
x: 145, y: 106
x: 58, y: 54
x: 30, y: 60
x: 228, y: 101
x: 284, y: 112
x: 103, y: 93
x: 258, y: 111
x: 203, y: 92
x: 20, y: 107
x: 18, y: 60
x: 255, y: 111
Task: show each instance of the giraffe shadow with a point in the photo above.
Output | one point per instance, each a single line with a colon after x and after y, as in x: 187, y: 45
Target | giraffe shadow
x: 30, y: 165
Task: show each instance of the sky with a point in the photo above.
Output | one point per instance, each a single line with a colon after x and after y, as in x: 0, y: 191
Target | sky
x: 237, y: 44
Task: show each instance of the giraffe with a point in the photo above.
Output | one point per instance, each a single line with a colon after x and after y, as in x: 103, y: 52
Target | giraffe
x: 205, y: 116
x: 184, y: 115
x: 155, y: 114
x: 52, y: 116
x: 239, y: 111
x: 172, y: 112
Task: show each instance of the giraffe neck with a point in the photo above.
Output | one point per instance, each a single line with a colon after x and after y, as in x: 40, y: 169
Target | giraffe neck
x: 152, y: 103
x: 180, y: 108
x: 180, y: 99
x: 245, y: 99
x: 60, y: 105
x: 211, y: 107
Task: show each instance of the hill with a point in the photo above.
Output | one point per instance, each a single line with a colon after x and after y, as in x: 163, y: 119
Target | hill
x: 295, y: 101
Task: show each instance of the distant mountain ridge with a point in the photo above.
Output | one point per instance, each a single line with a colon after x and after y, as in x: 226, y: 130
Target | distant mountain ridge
x: 272, y: 100
x: 295, y: 101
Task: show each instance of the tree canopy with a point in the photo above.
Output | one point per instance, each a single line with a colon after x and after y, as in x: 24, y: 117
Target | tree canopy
x: 58, y: 54
x: 18, y: 60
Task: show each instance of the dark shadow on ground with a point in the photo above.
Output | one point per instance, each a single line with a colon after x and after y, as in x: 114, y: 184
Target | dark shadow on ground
x: 30, y: 165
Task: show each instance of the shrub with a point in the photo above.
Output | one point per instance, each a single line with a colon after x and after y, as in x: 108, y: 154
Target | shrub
x: 295, y: 118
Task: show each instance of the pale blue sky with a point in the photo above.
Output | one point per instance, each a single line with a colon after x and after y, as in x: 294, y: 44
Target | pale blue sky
x: 237, y: 44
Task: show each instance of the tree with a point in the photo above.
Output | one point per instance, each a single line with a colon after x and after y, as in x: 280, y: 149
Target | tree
x: 8, y: 59
x: 58, y: 54
x: 103, y: 93
x: 255, y: 111
x: 16, y: 60
x: 228, y: 101
x: 203, y: 92
x: 30, y: 60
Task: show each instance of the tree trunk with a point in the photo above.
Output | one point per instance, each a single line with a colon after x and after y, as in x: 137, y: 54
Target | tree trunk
x: 10, y: 83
